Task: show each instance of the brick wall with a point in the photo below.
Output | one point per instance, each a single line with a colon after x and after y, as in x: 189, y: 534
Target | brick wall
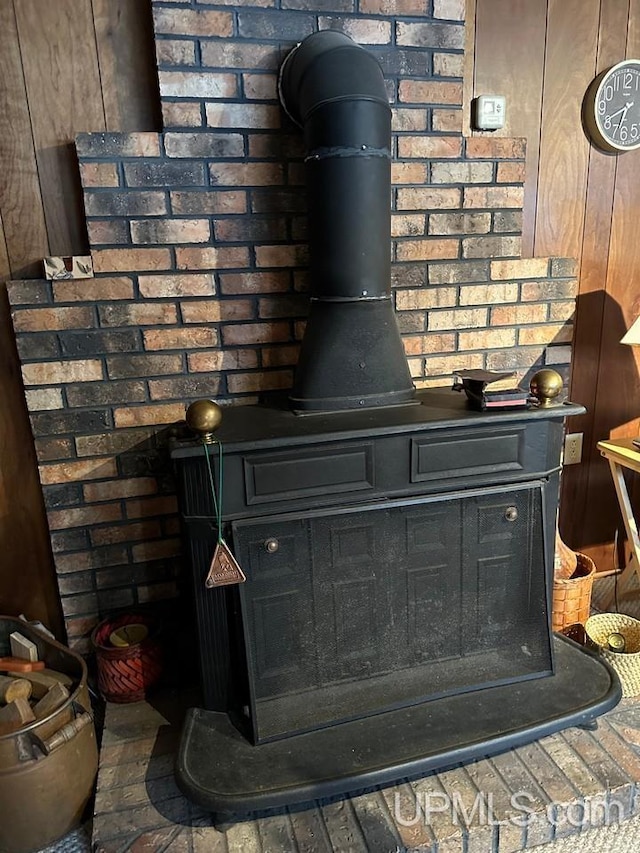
x: 198, y: 241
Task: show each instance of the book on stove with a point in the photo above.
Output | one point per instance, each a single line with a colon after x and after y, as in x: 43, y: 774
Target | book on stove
x: 475, y: 384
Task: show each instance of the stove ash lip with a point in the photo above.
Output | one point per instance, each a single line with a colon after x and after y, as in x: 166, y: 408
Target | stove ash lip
x: 335, y: 91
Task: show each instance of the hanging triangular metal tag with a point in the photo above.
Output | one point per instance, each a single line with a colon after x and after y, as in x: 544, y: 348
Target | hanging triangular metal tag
x: 224, y: 570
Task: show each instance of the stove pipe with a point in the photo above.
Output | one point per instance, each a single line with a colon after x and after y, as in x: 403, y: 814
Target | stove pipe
x: 352, y: 355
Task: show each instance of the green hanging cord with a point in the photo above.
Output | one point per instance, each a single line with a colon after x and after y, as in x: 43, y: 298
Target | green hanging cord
x: 217, y: 502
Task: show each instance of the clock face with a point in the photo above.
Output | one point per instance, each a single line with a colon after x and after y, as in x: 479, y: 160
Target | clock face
x: 616, y: 107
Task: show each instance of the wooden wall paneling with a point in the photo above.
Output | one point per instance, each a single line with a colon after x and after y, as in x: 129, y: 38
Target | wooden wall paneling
x: 468, y: 85
x: 126, y: 54
x: 59, y: 57
x: 617, y: 405
x: 27, y: 579
x: 25, y: 236
x: 509, y: 60
x: 590, y: 306
x: 5, y: 269
x: 572, y: 33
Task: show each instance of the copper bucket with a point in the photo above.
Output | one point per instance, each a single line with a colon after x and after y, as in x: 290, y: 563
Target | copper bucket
x: 48, y: 767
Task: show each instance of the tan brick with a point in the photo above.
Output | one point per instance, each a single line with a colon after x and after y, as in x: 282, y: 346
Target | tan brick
x: 197, y: 84
x: 183, y: 387
x: 487, y: 339
x: 118, y: 441
x: 550, y: 333
x: 235, y: 54
x: 166, y: 286
x: 105, y: 232
x: 130, y: 260
x: 243, y: 383
x: 281, y: 256
x: 138, y: 314
x: 242, y: 115
x: 284, y: 356
x: 124, y: 488
x: 83, y: 516
x: 394, y: 7
x: 429, y: 92
x: 422, y: 298
x: 175, y: 52
x: 562, y: 311
x: 408, y: 119
x: 408, y: 225
x: 558, y: 355
x: 537, y: 291
x: 408, y: 173
x: 215, y: 360
x: 52, y: 319
x: 160, y: 505
x: 209, y: 311
x: 260, y: 87
x: 137, y: 144
x: 448, y: 363
x: 520, y: 268
x: 496, y: 147
x: 564, y: 267
x: 446, y: 121
x: 459, y: 223
x: 429, y: 146
x: 170, y: 231
x: 428, y: 249
x: 193, y: 337
x: 57, y: 372
x: 488, y: 294
x: 181, y: 114
x: 255, y: 282
x: 142, y: 415
x: 460, y: 318
x: 448, y: 64
x: 44, y: 399
x: 491, y: 246
x: 246, y: 174
x: 428, y: 344
x: 361, y: 30
x: 99, y: 175
x: 255, y: 333
x: 517, y: 315
x: 93, y: 289
x: 156, y: 550
x: 192, y: 22
x: 53, y: 449
x: 125, y: 533
x: 493, y: 197
x: 461, y: 173
x: 212, y: 258
x: 451, y: 10
x: 428, y: 198
x: 84, y: 469
x: 511, y: 173
x: 220, y: 201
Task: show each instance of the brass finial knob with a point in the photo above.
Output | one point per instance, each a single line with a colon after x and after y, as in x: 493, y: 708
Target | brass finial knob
x: 204, y: 417
x: 546, y: 384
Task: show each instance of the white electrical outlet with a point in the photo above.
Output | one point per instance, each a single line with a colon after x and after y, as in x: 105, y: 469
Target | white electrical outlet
x: 573, y: 448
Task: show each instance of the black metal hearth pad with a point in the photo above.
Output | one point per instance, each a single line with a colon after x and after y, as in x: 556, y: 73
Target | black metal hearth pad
x: 221, y: 771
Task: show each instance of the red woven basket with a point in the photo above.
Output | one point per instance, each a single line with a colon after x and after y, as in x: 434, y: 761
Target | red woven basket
x: 125, y: 674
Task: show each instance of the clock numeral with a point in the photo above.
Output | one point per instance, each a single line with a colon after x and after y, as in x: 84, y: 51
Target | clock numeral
x: 628, y: 79
x: 602, y: 107
x: 608, y: 92
x: 635, y: 131
x: 624, y: 133
x: 607, y: 123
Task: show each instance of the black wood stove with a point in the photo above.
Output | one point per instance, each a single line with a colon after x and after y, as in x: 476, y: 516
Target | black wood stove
x: 398, y: 547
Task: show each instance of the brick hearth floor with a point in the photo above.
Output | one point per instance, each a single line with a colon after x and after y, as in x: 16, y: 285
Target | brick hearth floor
x: 571, y: 781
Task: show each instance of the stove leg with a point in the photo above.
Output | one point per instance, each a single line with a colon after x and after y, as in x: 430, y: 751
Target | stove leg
x: 589, y: 726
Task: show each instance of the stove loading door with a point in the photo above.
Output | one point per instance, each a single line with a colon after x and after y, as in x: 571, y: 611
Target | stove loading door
x: 350, y: 612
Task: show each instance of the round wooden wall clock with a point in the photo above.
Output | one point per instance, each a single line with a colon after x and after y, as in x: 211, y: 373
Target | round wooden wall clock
x: 611, y: 107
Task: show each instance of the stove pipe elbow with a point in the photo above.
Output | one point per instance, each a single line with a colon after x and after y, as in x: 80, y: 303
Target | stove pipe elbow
x: 352, y: 354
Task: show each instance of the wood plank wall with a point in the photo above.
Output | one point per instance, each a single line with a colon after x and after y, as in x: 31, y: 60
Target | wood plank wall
x: 66, y: 67
x: 581, y: 203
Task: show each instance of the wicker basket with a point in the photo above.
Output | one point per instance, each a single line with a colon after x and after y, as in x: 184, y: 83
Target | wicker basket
x: 627, y: 663
x: 572, y: 596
